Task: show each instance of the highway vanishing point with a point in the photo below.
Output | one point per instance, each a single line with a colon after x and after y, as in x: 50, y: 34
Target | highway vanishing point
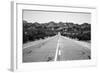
x: 56, y: 48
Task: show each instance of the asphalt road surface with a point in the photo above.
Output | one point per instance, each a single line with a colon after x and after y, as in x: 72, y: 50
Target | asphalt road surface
x: 57, y: 48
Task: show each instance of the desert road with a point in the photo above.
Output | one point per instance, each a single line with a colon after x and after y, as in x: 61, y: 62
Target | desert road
x: 57, y: 48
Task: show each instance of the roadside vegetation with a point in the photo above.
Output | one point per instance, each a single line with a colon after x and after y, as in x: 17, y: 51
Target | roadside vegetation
x: 35, y: 31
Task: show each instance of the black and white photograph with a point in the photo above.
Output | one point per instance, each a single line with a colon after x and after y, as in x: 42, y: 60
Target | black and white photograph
x: 50, y: 36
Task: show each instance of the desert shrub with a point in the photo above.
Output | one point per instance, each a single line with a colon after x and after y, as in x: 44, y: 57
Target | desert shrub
x: 84, y: 36
x: 36, y: 31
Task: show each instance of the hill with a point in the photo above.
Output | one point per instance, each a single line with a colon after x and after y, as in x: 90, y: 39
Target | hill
x: 36, y: 31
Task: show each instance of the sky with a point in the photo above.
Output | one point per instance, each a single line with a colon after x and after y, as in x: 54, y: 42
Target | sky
x: 47, y: 16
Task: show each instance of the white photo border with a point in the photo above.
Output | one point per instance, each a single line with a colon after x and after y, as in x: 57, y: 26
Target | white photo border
x: 17, y: 64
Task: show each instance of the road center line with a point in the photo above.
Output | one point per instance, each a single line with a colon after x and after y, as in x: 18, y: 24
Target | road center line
x: 57, y: 49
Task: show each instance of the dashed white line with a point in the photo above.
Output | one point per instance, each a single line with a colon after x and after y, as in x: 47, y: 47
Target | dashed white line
x: 56, y: 54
